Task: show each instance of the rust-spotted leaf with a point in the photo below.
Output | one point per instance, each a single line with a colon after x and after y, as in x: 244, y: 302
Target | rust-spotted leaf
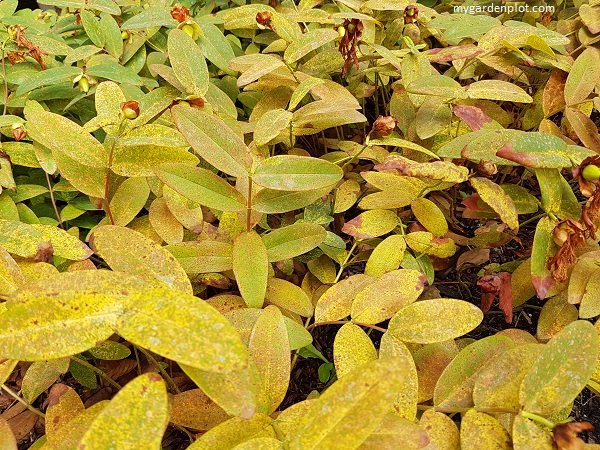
x: 499, y: 201
x: 479, y: 430
x: 426, y: 242
x: 387, y: 256
x: 288, y: 296
x: 293, y: 240
x: 64, y: 404
x: 442, y: 430
x: 193, y: 409
x: 352, y: 348
x: 370, y: 224
x: 430, y: 216
x: 336, y: 302
x: 251, y: 268
x: 41, y: 375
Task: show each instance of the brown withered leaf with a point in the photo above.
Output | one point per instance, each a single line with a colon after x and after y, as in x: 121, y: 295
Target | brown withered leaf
x: 180, y: 13
x: 565, y: 435
x: 20, y: 420
x: 473, y: 116
x: 193, y: 409
x: 497, y: 285
x: 553, y: 98
x: 565, y: 256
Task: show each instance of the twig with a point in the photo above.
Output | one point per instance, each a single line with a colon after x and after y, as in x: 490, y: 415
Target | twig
x: 343, y: 322
x: 23, y: 402
x: 162, y: 371
x: 53, y: 201
x: 100, y: 372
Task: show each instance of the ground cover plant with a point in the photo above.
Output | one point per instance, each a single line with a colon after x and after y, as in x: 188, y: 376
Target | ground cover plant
x: 191, y: 192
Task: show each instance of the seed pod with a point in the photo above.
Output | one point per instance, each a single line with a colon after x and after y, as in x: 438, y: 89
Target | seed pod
x: 84, y: 84
x: 131, y: 109
x: 125, y: 35
x: 591, y: 172
x: 18, y: 131
x: 188, y: 29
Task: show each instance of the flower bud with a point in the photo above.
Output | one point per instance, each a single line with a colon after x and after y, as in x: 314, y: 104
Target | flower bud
x: 131, y: 109
x: 18, y: 131
x: 487, y: 168
x: 125, y: 35
x: 188, y: 29
x: 84, y: 84
x: 341, y: 31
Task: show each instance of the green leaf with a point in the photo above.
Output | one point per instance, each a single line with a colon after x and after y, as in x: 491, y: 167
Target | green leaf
x: 136, y: 417
x: 201, y: 186
x: 64, y: 315
x: 497, y: 199
x: 48, y: 77
x: 213, y: 140
x: 352, y: 348
x: 437, y: 320
x: 583, y: 76
x: 271, y: 124
x: 388, y: 295
x: 296, y: 173
x: 127, y: 250
x: 251, y: 268
x: 110, y: 351
x: 183, y: 328
x: 62, y: 135
x: 543, y: 249
x: 497, y: 90
x: 151, y: 17
x: 370, y: 224
x: 41, y: 375
x: 308, y: 42
x: 293, y: 240
x: 113, y: 42
x: 216, y: 47
x: 351, y: 409
x: 203, y: 256
x: 562, y: 370
x: 478, y: 431
x: 188, y: 62
x: 269, y: 348
x: 454, y: 388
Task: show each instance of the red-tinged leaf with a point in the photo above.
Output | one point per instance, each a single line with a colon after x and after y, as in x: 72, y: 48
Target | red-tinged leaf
x: 453, y: 53
x: 538, y: 150
x: 584, y: 127
x: 473, y: 116
x: 543, y: 249
x: 553, y: 99
x: 370, y: 224
x: 506, y: 298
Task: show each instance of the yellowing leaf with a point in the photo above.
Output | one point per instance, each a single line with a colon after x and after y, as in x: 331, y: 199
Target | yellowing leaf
x: 387, y: 256
x: 323, y: 269
x: 6, y: 368
x: 233, y: 432
x: 251, y: 267
x: 352, y: 348
x: 127, y: 250
x: 7, y: 438
x: 308, y: 42
x: 583, y: 76
x: 183, y: 328
x: 430, y: 216
x: 129, y: 199
x: 288, y: 296
x: 497, y: 90
x: 336, y: 302
x: 351, y: 409
x: 271, y: 124
x: 188, y: 63
x: 68, y: 436
x: 193, y: 409
x: 110, y: 351
x: 41, y: 375
x: 386, y: 296
x: 164, y: 223
x: 11, y: 276
x: 269, y: 348
x: 562, y: 370
x: 64, y: 405
x: 260, y: 443
x: 23, y: 240
x: 64, y: 315
x: 396, y: 432
x: 529, y: 435
x: 479, y: 431
x: 441, y: 429
x: 346, y: 196
x: 371, y: 224
x: 203, y: 256
x: 296, y: 173
x: 425, y: 242
x: 188, y: 213
x: 494, y: 195
x: 135, y: 418
x: 64, y: 244
x: 201, y: 186
x: 436, y: 320
x: 557, y: 313
x: 293, y: 240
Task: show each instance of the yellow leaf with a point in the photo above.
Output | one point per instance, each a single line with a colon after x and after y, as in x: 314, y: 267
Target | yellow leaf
x: 352, y: 348
x: 441, y: 429
x: 233, y: 432
x: 130, y: 251
x: 7, y: 367
x: 370, y: 224
x: 63, y: 243
x: 479, y: 431
x: 323, y: 268
x: 261, y: 443
x: 11, y: 276
x: 346, y: 196
x: 188, y: 213
x: 7, y: 438
x: 386, y: 296
x: 394, y: 433
x: 194, y: 409
x: 41, y: 375
x: 164, y: 223
x: 528, y: 435
x: 129, y: 199
x: 251, y: 268
x: 135, y: 418
x: 425, y: 242
x: 23, y: 240
x: 497, y: 199
x: 269, y: 348
x: 387, y: 256
x: 34, y: 271
x: 64, y: 405
x: 430, y: 216
x: 287, y: 295
x: 68, y: 437
x: 336, y: 302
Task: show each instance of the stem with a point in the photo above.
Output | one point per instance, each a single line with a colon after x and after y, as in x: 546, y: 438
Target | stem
x: 343, y: 265
x: 53, y: 201
x: 23, y: 402
x: 464, y: 410
x: 343, y: 322
x: 162, y: 371
x: 296, y: 354
x: 107, y: 182
x: 5, y: 82
x: 100, y: 372
x: 249, y: 206
x: 539, y: 419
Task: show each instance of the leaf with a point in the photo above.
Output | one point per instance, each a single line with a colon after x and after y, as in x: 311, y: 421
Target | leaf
x: 293, y: 240
x: 127, y: 250
x: 430, y: 216
x: 271, y: 124
x: 478, y: 431
x: 424, y: 242
x: 529, y: 435
x: 47, y: 77
x: 432, y: 117
x: 562, y: 370
x: 351, y: 409
x: 64, y: 315
x: 288, y: 296
x: 164, y: 223
x: 188, y: 213
x: 64, y: 405
x: 370, y: 224
x: 396, y: 432
x: 388, y: 295
x: 296, y: 173
x: 543, y: 249
x: 436, y: 320
x: 193, y: 409
x: 141, y: 412
x: 7, y: 438
x: 64, y: 136
x: 555, y: 315
x: 143, y: 160
x: 255, y: 66
x: 64, y: 244
x: 86, y: 179
x: 583, y: 76
x: 499, y: 200
x: 352, y: 348
x: 336, y: 302
x: 454, y: 388
x: 437, y: 85
x: 233, y: 432
x: 346, y: 195
x: 308, y: 42
x: 537, y: 150
x: 387, y: 256
x: 271, y: 201
x: 269, y: 348
x: 129, y: 199
x: 183, y: 328
x: 23, y: 240
x: 584, y: 127
x: 497, y: 90
x: 251, y: 267
x: 41, y: 375
x: 151, y: 17
x: 582, y: 272
x: 442, y: 430
x: 203, y: 256
x: 213, y: 140
x: 188, y: 62
x: 201, y: 186
x: 113, y: 42
x: 497, y: 383
x: 110, y: 351
x: 7, y: 367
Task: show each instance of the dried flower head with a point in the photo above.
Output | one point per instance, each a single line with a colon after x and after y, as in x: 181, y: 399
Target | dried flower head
x: 565, y: 435
x: 18, y: 131
x: 487, y: 168
x: 263, y: 19
x: 569, y: 234
x: 180, y: 13
x: 131, y: 109
x: 349, y: 42
x: 411, y: 13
